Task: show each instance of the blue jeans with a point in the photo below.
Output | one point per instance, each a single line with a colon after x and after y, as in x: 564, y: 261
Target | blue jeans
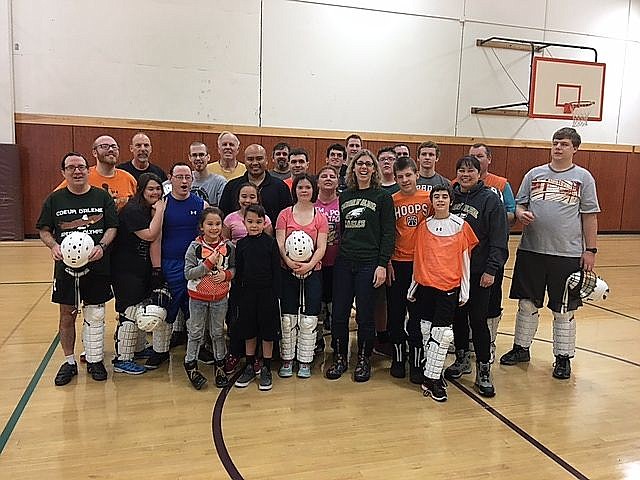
x: 201, y: 313
x: 352, y: 279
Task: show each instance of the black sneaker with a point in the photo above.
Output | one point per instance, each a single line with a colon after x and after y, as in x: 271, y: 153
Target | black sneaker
x: 398, y: 369
x: 195, y: 377
x: 205, y: 356
x: 156, y: 359
x: 97, y: 371
x: 221, y: 377
x: 435, y: 389
x: 178, y: 338
x: 362, y: 373
x: 266, y: 381
x: 246, y: 377
x: 66, y: 373
x: 562, y: 367
x: 337, y: 368
x: 516, y: 355
x: 416, y: 375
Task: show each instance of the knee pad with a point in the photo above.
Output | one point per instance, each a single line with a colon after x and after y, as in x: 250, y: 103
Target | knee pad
x: 307, y: 338
x: 526, y: 323
x: 436, y: 351
x: 93, y: 332
x: 126, y: 338
x: 289, y: 324
x: 425, y: 329
x: 161, y: 337
x: 564, y: 333
x: 492, y: 323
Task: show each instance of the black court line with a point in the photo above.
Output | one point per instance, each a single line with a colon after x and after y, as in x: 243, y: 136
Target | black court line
x: 216, y: 430
x: 523, y: 433
x: 583, y: 349
x: 17, y: 325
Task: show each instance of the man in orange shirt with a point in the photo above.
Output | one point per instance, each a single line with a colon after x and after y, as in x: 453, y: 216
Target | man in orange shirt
x: 411, y: 208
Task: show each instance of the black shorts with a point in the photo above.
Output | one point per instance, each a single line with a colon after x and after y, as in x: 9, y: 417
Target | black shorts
x: 258, y: 314
x: 94, y: 289
x: 436, y: 306
x: 534, y: 273
x: 130, y: 288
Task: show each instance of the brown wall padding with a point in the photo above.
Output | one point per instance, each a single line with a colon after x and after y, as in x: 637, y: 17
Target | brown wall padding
x: 11, y: 221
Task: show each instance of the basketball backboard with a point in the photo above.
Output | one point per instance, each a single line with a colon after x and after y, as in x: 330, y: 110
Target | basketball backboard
x: 557, y: 82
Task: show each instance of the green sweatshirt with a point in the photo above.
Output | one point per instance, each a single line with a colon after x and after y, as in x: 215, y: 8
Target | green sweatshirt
x: 368, y: 226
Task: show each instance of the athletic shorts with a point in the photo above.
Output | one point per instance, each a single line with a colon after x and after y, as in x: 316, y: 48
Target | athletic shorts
x: 94, y: 289
x: 258, y: 314
x: 534, y: 273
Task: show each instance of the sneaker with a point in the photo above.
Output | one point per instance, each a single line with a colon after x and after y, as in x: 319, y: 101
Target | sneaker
x: 483, y: 383
x: 320, y: 346
x: 362, y: 373
x: 221, y: 377
x: 435, y: 389
x: 206, y: 357
x: 337, y: 368
x: 416, y: 375
x: 562, y: 367
x: 246, y: 377
x: 65, y: 374
x: 230, y: 364
x: 416, y: 362
x: 304, y: 370
x: 266, y: 381
x: 195, y: 377
x: 128, y: 366
x: 384, y: 349
x: 156, y: 359
x: 461, y: 366
x: 143, y: 354
x: 97, y: 371
x: 286, y: 370
x: 178, y: 338
x: 398, y: 369
x: 517, y: 354
x: 257, y: 365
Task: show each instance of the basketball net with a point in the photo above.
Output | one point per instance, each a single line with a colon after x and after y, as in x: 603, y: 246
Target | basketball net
x: 580, y: 112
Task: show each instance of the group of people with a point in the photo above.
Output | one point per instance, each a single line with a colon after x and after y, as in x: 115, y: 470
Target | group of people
x: 280, y: 255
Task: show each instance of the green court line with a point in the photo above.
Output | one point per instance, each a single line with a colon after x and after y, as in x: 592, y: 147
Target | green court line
x: 17, y: 412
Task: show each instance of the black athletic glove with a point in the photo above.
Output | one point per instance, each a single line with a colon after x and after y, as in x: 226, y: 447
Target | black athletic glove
x: 157, y: 278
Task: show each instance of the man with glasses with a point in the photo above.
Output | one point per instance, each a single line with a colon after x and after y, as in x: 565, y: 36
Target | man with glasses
x: 206, y: 185
x: 141, y: 149
x: 179, y: 228
x: 228, y: 165
x: 280, y: 157
x: 79, y: 207
x: 386, y: 160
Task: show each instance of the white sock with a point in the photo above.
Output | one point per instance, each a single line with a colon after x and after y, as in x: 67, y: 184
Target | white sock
x: 71, y: 359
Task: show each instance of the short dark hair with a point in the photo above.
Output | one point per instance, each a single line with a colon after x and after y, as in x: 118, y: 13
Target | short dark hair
x: 443, y: 187
x: 257, y: 209
x: 353, y: 135
x: 178, y: 164
x: 385, y: 150
x: 72, y: 154
x: 314, y: 186
x: 144, y: 180
x: 403, y: 163
x: 207, y: 211
x: 483, y: 145
x: 569, y: 133
x: 401, y: 145
x: 339, y: 147
x: 280, y: 146
x: 468, y: 161
x: 299, y: 151
x: 428, y: 144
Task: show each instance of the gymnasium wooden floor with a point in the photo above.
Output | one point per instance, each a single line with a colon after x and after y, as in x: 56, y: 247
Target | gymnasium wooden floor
x: 156, y: 426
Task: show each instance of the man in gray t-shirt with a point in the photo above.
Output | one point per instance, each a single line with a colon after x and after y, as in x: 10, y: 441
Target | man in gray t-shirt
x: 208, y: 186
x: 558, y: 206
x: 428, y: 154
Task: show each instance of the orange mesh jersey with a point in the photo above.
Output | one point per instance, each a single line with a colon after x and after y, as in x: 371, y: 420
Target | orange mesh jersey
x: 443, y: 252
x: 410, y: 213
x: 495, y: 181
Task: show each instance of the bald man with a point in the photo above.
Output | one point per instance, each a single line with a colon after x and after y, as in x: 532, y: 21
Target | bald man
x: 274, y: 193
x: 228, y: 165
x: 140, y: 148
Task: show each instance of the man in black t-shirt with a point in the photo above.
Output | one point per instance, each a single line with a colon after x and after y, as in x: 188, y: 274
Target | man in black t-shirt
x: 141, y: 149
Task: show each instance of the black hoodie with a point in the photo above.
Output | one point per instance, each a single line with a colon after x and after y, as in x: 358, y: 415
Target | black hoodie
x: 484, y: 212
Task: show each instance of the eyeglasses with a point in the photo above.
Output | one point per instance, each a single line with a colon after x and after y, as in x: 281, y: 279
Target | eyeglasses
x: 107, y: 146
x: 198, y: 155
x: 183, y: 177
x: 73, y: 168
x: 364, y: 164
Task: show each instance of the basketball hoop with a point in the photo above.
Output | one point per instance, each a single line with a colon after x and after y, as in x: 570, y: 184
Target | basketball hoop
x: 580, y: 111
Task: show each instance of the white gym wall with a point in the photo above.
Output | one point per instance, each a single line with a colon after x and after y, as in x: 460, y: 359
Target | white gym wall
x: 406, y: 66
x: 7, y: 132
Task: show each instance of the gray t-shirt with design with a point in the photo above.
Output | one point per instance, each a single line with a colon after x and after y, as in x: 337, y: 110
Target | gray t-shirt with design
x: 210, y: 188
x: 427, y: 184
x: 556, y: 199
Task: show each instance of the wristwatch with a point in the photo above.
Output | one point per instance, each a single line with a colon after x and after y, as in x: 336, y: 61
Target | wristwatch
x: 593, y: 250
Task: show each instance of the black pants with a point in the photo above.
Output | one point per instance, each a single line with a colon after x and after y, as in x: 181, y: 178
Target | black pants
x: 495, y: 298
x: 474, y: 313
x: 436, y: 306
x: 397, y: 303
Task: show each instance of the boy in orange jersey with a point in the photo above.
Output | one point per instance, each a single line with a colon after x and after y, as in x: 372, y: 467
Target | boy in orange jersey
x: 441, y: 274
x: 411, y: 208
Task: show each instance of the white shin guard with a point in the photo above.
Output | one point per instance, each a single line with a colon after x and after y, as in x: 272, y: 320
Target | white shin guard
x: 126, y: 338
x: 141, y: 342
x: 564, y: 333
x: 289, y: 326
x: 161, y: 337
x: 307, y: 338
x: 436, y: 351
x: 493, y: 323
x: 526, y: 323
x: 93, y: 332
x: 425, y: 329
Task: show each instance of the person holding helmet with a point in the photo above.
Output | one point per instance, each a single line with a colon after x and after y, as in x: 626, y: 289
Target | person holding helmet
x: 83, y: 279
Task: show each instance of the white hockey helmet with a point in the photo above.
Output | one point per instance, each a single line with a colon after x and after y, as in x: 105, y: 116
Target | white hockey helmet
x: 587, y: 286
x: 299, y: 246
x: 149, y: 317
x: 76, y: 248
